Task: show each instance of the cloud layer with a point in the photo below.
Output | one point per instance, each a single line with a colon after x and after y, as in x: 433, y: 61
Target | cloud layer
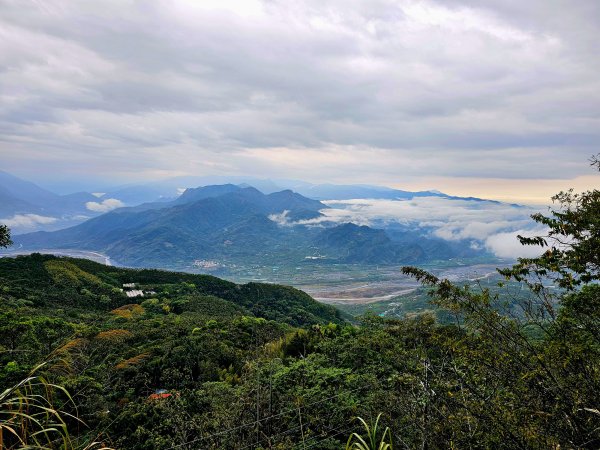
x: 377, y: 91
x: 106, y: 205
x: 490, y: 225
x: 27, y: 221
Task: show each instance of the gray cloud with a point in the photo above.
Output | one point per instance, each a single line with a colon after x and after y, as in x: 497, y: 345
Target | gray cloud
x: 389, y: 90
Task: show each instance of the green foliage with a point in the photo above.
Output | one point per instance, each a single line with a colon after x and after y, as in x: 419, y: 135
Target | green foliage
x: 66, y: 273
x: 263, y: 366
x: 371, y: 440
x: 5, y: 240
x: 573, y: 240
x: 54, y: 281
x: 28, y: 417
x: 33, y: 414
x: 532, y: 382
x: 115, y: 353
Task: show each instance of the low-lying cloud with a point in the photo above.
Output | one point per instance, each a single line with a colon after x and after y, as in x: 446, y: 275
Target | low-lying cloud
x: 107, y: 205
x: 487, y: 225
x: 27, y: 221
x: 282, y: 219
x: 506, y: 245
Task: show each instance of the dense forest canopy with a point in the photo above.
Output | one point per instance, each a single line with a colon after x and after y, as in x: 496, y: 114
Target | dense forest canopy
x: 199, y: 362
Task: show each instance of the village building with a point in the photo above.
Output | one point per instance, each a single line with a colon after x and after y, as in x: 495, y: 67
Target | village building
x: 134, y: 293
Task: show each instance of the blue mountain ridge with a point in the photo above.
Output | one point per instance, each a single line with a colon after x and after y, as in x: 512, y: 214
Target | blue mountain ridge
x: 233, y: 224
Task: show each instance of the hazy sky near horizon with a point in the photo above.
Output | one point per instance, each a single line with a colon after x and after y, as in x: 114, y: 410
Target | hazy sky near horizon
x: 497, y: 99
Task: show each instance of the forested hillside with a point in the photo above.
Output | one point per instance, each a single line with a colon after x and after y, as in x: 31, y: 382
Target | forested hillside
x: 53, y: 282
x: 199, y: 362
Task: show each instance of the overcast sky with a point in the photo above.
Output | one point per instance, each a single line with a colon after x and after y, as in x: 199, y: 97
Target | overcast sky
x: 493, y: 98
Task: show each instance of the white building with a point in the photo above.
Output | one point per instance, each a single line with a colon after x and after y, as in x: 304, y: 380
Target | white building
x: 134, y: 293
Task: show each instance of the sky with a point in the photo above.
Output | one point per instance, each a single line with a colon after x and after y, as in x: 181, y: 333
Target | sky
x: 495, y: 99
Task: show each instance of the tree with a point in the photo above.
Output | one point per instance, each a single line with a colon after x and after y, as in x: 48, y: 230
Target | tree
x: 573, y: 242
x: 4, y: 236
x: 535, y: 391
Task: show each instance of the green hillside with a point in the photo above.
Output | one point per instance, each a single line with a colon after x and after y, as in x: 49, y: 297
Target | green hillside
x: 52, y: 282
x: 201, y: 363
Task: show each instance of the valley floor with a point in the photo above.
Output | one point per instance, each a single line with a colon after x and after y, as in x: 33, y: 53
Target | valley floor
x: 355, y: 289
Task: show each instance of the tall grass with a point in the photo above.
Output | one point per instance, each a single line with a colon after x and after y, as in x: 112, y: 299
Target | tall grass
x: 29, y: 418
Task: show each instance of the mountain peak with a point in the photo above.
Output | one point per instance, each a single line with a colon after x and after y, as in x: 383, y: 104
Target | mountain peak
x: 202, y: 192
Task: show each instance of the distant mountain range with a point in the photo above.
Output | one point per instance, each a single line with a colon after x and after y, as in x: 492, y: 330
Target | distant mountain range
x: 251, y: 221
x: 27, y: 207
x: 231, y: 225
x: 171, y: 188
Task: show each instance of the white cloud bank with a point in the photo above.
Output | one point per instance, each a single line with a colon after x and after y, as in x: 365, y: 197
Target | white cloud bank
x: 27, y: 221
x: 506, y: 245
x: 490, y: 225
x: 107, y: 205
